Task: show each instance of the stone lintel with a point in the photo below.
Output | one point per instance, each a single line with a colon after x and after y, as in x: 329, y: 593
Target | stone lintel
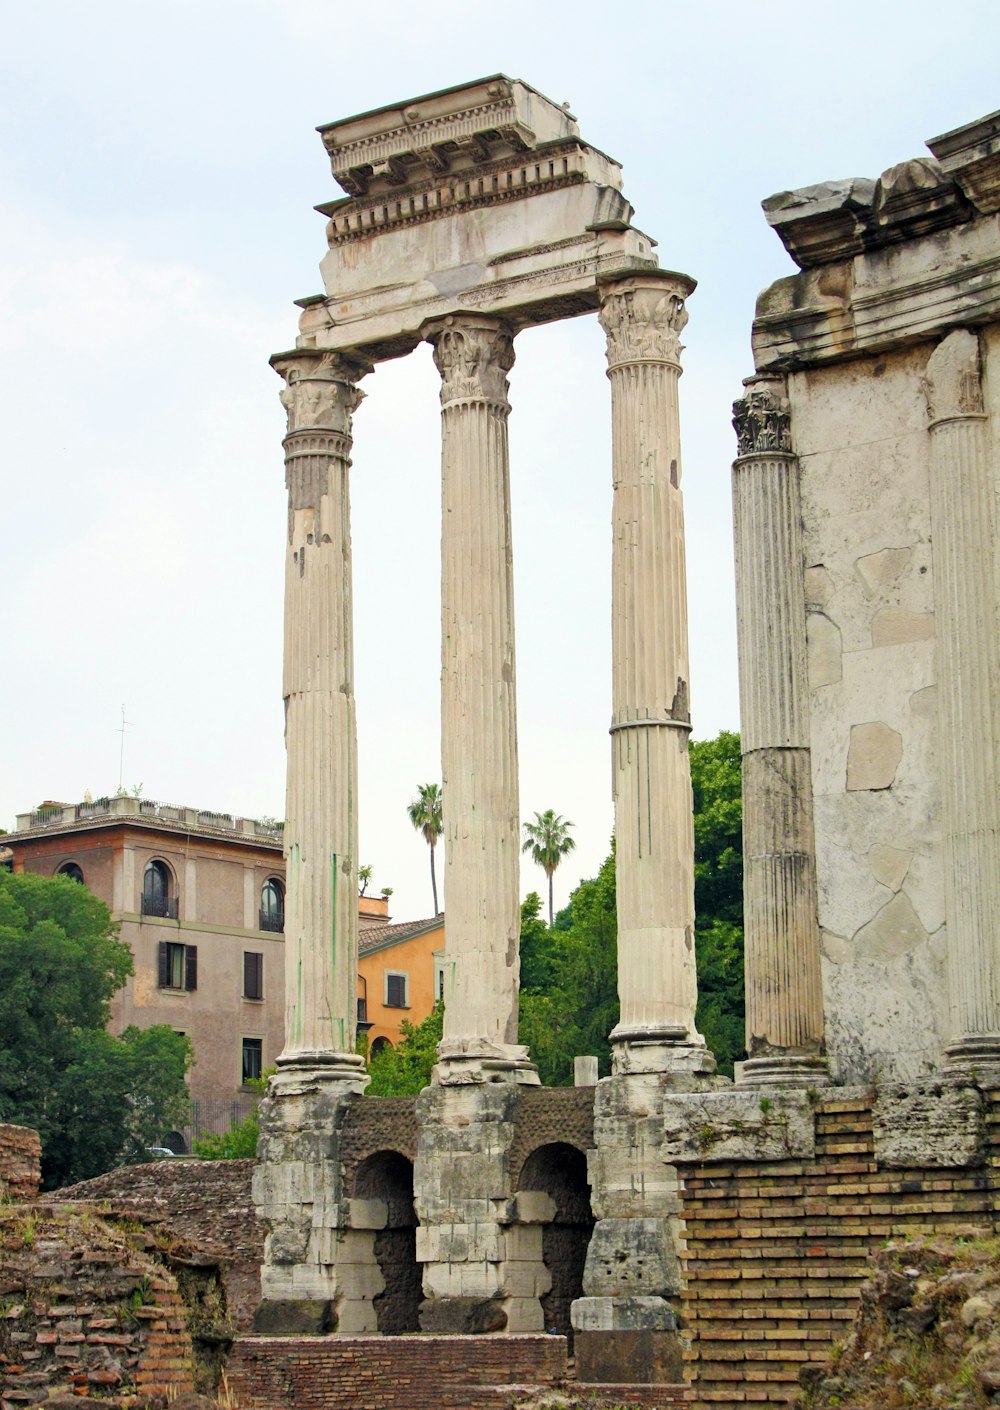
x: 970, y: 155
x: 880, y: 299
x: 737, y: 1125
x: 937, y: 1123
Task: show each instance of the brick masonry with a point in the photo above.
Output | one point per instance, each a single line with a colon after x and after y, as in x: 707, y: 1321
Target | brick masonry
x: 776, y: 1253
x: 20, y: 1162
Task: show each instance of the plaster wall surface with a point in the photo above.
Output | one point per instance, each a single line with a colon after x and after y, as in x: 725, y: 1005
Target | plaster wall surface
x: 860, y: 432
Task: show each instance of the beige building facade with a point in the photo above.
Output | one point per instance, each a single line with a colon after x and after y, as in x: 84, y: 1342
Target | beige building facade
x: 199, y: 897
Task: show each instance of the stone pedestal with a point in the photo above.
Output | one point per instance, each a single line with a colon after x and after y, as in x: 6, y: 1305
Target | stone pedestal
x: 784, y: 997
x: 626, y: 1320
x: 480, y: 1246
x: 478, y: 707
x: 297, y: 1189
x: 963, y: 528
x: 643, y: 317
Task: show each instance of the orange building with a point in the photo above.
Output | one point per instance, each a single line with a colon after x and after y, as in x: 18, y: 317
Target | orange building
x: 400, y: 975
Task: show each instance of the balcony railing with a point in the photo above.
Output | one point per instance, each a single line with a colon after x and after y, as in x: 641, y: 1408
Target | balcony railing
x: 163, y: 906
x: 269, y: 920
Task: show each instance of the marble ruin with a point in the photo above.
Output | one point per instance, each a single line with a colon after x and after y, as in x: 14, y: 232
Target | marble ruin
x: 869, y: 671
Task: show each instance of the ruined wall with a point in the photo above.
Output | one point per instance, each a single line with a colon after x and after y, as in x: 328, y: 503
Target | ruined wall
x: 205, y: 1202
x: 20, y: 1162
x: 87, y: 1313
x: 776, y: 1253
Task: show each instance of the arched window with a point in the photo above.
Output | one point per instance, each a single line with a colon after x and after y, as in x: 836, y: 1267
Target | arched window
x: 379, y: 1046
x: 272, y: 905
x: 157, y: 885
x: 72, y: 870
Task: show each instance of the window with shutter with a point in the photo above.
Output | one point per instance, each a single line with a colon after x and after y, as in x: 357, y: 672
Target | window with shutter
x: 253, y: 1058
x: 253, y: 975
x: 395, y: 991
x: 176, y: 969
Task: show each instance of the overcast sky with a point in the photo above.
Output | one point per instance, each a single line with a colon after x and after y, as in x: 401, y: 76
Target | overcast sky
x: 158, y: 169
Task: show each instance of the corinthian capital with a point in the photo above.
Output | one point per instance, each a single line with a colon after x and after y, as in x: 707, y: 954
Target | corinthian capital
x: 473, y: 356
x: 644, y: 317
x: 952, y: 383
x: 321, y: 391
x: 762, y: 418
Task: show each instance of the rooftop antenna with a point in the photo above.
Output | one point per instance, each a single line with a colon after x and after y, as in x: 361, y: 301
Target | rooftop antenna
x: 121, y: 753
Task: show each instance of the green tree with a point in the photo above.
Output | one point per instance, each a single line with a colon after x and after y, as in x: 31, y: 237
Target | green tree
x: 548, y: 841
x: 404, y: 1070
x: 95, y: 1100
x: 716, y: 783
x: 426, y: 814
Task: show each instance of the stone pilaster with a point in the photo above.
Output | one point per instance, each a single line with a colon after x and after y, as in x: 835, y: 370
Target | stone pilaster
x: 784, y: 997
x: 963, y: 529
x: 478, y: 711
x: 298, y: 1185
x: 643, y: 318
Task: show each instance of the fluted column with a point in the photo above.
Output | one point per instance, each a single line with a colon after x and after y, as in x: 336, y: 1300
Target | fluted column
x: 478, y: 715
x: 321, y: 915
x: 657, y: 983
x: 963, y: 529
x: 784, y: 997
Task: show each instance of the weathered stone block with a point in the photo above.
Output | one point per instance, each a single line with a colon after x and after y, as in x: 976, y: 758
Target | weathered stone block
x: 937, y: 1124
x: 622, y: 1314
x: 294, y: 1319
x: 367, y: 1213
x: 737, y: 1125
x: 630, y: 1257
x: 463, y: 1315
x: 643, y: 1357
x: 532, y: 1207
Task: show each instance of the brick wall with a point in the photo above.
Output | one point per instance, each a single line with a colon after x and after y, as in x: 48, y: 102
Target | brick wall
x: 206, y: 1203
x: 20, y: 1162
x: 394, y: 1373
x: 776, y: 1253
x: 549, y: 1114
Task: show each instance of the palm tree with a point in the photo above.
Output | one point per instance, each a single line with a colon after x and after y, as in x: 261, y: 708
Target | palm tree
x: 425, y: 815
x: 548, y: 841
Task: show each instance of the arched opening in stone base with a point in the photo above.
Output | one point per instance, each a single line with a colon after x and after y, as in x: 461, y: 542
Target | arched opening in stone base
x: 388, y: 1176
x: 559, y: 1170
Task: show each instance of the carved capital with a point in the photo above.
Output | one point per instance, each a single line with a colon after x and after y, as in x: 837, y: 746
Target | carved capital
x: 473, y: 356
x: 321, y: 391
x: 762, y: 418
x: 643, y: 319
x: 952, y: 383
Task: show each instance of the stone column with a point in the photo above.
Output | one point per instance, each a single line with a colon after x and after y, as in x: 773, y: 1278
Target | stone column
x: 643, y: 317
x: 963, y: 529
x: 478, y: 715
x: 298, y: 1184
x: 784, y: 995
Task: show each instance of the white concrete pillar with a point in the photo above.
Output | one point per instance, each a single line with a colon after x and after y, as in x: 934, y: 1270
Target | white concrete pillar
x: 963, y: 529
x: 478, y: 708
x: 320, y: 837
x: 643, y: 317
x: 784, y: 994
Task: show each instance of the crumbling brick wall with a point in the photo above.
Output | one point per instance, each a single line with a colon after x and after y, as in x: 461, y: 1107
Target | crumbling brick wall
x: 205, y: 1202
x: 20, y: 1162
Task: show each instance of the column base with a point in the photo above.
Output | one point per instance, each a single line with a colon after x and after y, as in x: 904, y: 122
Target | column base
x: 794, y: 1070
x: 669, y: 1050
x: 976, y: 1055
x: 301, y: 1073
x: 462, y: 1061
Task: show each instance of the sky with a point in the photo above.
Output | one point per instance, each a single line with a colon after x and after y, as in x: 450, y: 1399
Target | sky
x: 158, y: 173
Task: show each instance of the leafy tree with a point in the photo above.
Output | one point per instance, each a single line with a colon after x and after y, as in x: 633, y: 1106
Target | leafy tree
x: 548, y: 841
x: 404, y: 1070
x: 426, y: 814
x: 364, y: 878
x: 95, y: 1100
